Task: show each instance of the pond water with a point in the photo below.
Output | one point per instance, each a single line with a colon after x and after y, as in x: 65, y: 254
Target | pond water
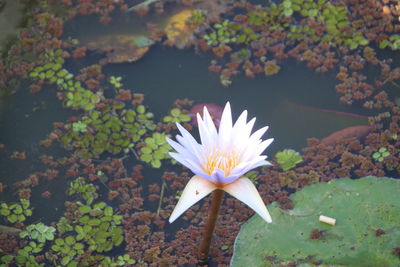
x: 297, y: 103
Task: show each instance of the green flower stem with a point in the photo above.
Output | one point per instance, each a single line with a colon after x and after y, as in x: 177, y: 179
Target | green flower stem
x: 204, y: 247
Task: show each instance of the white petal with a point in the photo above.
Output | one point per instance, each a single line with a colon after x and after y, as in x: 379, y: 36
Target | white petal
x: 178, y: 147
x: 263, y: 145
x: 209, y: 122
x: 257, y: 134
x: 241, y: 146
x: 189, y: 139
x: 244, y: 167
x: 254, y: 148
x: 239, y: 130
x: 196, y: 189
x: 189, y: 163
x: 207, y: 140
x: 194, y: 148
x: 244, y: 190
x: 250, y: 125
x: 241, y: 121
x: 225, y: 128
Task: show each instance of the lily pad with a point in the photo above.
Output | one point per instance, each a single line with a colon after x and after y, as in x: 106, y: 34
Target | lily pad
x: 362, y: 208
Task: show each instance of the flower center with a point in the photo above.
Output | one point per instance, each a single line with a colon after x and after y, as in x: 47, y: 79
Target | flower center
x: 225, y: 161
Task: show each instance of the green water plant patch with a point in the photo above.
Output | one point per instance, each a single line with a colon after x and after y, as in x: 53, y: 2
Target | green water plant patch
x: 25, y: 256
x: 288, y: 159
x: 116, y: 81
x: 114, y: 129
x: 67, y: 248
x: 366, y: 232
x: 39, y: 232
x: 381, y: 154
x: 175, y: 115
x: 155, y: 149
x: 393, y: 42
x: 99, y: 227
x: 52, y: 72
x: 16, y: 212
x: 80, y: 188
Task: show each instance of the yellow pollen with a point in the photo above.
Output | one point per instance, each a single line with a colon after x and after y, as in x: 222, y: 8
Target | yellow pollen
x: 225, y: 161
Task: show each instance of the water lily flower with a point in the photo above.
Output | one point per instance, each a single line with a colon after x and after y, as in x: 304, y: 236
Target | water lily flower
x: 221, y: 160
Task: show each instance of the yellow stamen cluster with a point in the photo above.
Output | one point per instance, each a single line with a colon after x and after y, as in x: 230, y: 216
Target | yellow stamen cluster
x: 225, y: 161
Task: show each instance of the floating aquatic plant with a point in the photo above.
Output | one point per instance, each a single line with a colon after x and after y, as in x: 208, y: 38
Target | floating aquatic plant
x: 78, y: 97
x: 113, y: 129
x: 198, y: 16
x: 156, y: 149
x: 334, y: 18
x: 228, y: 32
x: 82, y: 189
x: 175, y: 115
x: 270, y: 16
x: 271, y: 67
x: 64, y: 225
x: 16, y: 212
x: 241, y: 55
x: 99, y: 227
x: 52, y: 72
x: 39, y: 232
x: 116, y: 81
x: 381, y: 154
x: 67, y: 248
x: 288, y: 159
x: 393, y: 42
x: 101, y: 260
x: 25, y: 256
x: 79, y: 127
x: 367, y: 229
x: 95, y: 227
x: 123, y: 260
x: 221, y: 34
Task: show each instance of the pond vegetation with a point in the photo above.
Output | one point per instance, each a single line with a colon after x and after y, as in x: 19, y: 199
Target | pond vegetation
x: 90, y: 90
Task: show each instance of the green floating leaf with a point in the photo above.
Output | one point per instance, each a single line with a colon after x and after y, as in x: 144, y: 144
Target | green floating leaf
x: 156, y: 163
x: 288, y: 159
x: 7, y: 258
x: 361, y: 207
x: 65, y: 260
x: 84, y: 209
x: 175, y: 112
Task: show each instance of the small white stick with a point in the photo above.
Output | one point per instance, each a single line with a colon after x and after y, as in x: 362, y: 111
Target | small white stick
x: 327, y: 220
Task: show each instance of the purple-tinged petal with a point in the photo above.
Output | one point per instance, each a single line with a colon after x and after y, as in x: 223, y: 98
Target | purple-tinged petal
x: 218, y: 176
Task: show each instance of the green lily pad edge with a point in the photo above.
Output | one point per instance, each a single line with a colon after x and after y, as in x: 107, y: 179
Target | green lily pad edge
x: 362, y: 208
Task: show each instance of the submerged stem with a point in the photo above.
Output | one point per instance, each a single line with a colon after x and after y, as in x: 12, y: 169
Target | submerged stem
x: 204, y: 247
